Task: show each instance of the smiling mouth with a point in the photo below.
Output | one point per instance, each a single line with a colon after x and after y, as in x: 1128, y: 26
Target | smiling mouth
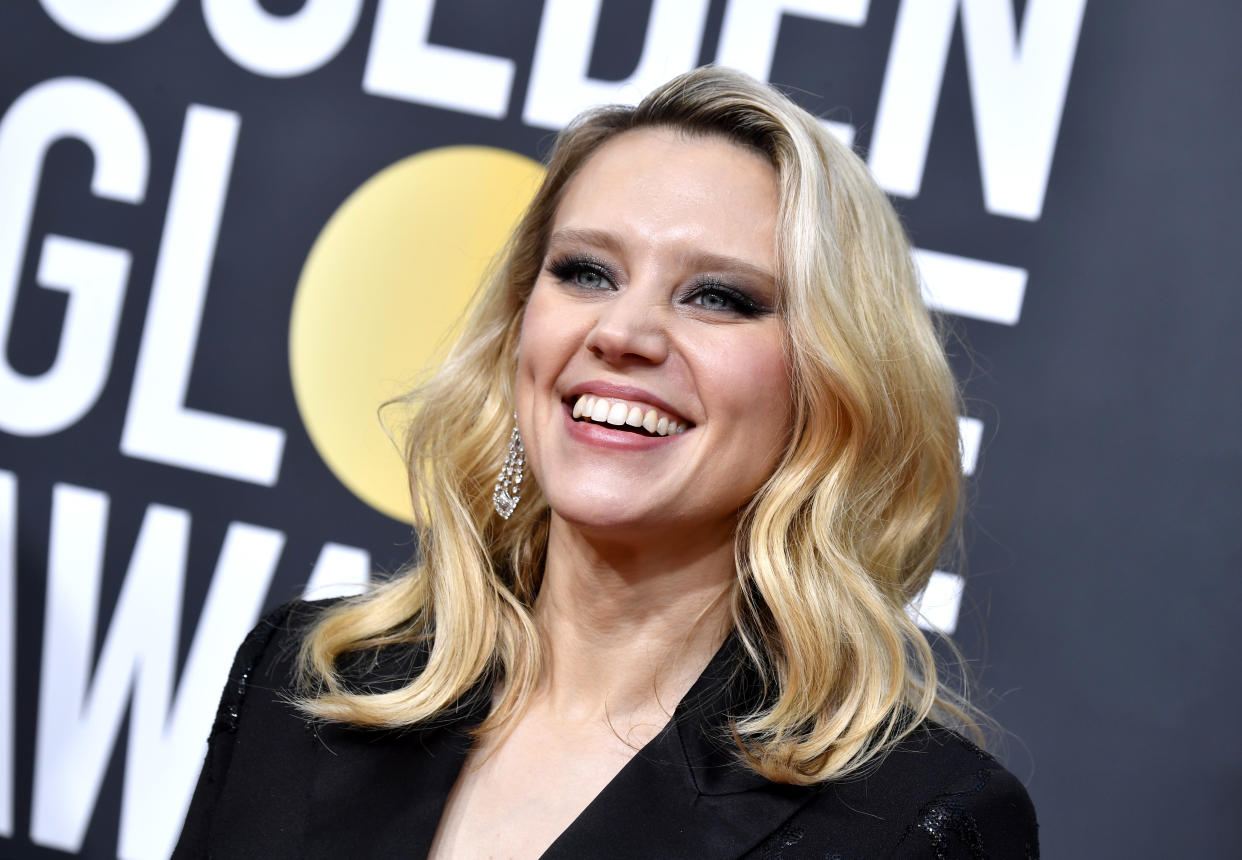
x: 623, y: 415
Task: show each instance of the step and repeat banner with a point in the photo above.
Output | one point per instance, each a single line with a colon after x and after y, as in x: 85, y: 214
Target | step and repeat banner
x: 231, y: 229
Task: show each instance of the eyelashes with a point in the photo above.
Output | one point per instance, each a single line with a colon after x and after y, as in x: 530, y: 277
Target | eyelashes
x: 590, y: 274
x: 583, y: 272
x: 722, y: 297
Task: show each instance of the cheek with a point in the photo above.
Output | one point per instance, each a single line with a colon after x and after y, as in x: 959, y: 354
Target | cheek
x: 773, y: 402
x: 756, y: 381
x: 754, y: 378
x: 552, y: 331
x: 535, y: 336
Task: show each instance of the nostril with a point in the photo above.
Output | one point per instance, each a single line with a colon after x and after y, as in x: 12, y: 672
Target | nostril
x: 627, y: 338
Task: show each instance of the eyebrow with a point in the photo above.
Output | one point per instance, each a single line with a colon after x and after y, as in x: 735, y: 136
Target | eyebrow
x: 705, y: 261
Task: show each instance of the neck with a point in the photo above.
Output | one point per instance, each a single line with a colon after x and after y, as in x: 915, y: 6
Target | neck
x: 629, y: 626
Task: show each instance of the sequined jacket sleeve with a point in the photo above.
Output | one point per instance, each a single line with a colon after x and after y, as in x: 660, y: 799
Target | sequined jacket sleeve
x: 936, y: 796
x: 983, y: 813
x: 220, y: 743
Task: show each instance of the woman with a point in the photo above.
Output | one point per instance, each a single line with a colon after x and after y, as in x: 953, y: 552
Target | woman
x: 675, y: 625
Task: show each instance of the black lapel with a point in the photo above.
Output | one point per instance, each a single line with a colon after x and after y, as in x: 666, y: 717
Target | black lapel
x: 685, y: 794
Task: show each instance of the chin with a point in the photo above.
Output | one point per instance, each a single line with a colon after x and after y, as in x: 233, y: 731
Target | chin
x: 602, y: 514
x: 601, y: 518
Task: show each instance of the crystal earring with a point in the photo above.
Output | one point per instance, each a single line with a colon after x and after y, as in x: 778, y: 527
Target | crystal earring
x: 508, y: 490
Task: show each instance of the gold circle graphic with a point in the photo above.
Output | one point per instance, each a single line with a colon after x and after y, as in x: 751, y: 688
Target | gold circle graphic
x: 383, y: 288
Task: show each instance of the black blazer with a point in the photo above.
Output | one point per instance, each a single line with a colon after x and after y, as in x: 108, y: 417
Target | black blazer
x: 275, y: 785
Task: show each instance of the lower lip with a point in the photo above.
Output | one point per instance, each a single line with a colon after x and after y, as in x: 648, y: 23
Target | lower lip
x: 605, y: 436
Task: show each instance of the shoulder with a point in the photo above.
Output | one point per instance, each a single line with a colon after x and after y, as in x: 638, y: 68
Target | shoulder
x: 267, y: 657
x: 972, y: 805
x: 266, y: 757
x: 263, y: 680
x: 255, y: 732
x: 933, y: 795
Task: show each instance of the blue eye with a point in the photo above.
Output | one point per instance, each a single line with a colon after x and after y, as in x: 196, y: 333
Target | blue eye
x: 713, y: 300
x: 588, y: 278
x: 724, y: 299
x: 582, y: 273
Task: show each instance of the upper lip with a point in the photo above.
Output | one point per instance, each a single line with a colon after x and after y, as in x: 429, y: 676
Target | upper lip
x: 619, y: 391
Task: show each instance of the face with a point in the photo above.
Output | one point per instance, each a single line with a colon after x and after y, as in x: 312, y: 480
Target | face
x: 653, y: 391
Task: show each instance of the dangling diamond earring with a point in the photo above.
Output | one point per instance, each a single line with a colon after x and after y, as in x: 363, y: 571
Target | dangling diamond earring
x: 508, y: 490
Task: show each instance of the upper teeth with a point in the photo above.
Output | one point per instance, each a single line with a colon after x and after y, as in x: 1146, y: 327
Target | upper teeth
x: 618, y: 413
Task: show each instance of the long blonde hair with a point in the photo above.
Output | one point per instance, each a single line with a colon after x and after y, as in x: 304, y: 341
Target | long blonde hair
x: 829, y: 552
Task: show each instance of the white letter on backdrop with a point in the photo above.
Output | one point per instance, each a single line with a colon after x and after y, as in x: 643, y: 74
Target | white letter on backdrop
x: 1017, y: 88
x: 281, y: 46
x: 166, y: 744
x: 403, y: 65
x: 93, y: 275
x: 80, y: 715
x: 108, y: 22
x: 340, y: 571
x: 748, y: 36
x: 158, y: 426
x: 938, y: 605
x: 559, y: 87
x: 8, y: 643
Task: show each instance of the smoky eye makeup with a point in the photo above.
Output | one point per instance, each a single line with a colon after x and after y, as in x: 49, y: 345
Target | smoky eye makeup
x: 706, y: 293
x: 581, y: 271
x: 718, y: 296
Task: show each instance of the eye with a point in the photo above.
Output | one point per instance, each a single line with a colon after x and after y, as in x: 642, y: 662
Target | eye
x: 588, y: 278
x: 720, y: 298
x: 580, y: 272
x: 713, y: 300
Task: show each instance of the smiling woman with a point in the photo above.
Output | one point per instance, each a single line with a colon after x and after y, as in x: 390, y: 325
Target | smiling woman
x: 638, y: 308
x: 682, y: 631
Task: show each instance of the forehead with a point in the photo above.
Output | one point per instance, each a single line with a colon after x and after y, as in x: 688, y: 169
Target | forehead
x: 659, y: 185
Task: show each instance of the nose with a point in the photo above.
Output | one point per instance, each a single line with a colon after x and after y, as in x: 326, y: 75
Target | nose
x: 630, y: 328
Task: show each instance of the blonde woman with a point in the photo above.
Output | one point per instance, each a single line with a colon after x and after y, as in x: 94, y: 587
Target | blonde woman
x: 675, y: 624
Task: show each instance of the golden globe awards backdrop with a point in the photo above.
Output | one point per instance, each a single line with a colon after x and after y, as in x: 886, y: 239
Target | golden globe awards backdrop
x: 231, y: 229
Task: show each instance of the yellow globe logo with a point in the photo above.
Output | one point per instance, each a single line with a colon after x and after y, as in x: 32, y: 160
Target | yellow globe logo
x: 382, y: 292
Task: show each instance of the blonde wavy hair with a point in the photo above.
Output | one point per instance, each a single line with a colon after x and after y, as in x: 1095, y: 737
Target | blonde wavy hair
x: 829, y: 552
